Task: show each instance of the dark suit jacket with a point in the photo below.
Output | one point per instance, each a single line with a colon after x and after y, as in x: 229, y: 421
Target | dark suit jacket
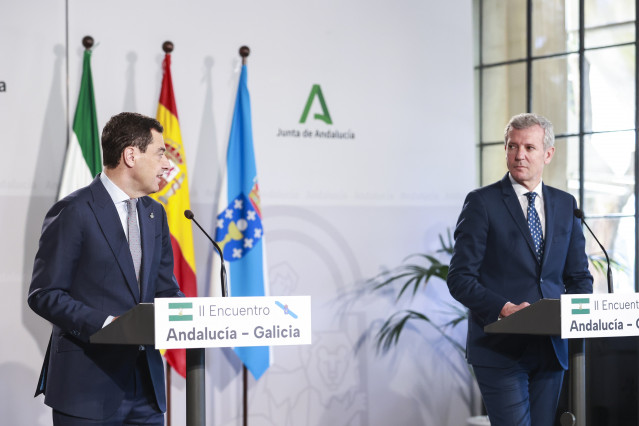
x: 494, y: 263
x: 83, y: 272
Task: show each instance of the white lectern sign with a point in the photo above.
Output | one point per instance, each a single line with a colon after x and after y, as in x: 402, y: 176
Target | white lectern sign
x: 599, y: 315
x: 213, y: 322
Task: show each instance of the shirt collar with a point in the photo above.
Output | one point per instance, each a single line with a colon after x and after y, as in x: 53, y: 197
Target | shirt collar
x: 116, y: 194
x: 520, y: 189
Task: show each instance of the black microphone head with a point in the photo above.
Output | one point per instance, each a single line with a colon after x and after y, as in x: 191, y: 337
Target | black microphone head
x: 189, y: 214
x: 579, y: 213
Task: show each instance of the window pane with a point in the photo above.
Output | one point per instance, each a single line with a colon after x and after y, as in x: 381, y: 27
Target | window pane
x: 555, y: 26
x: 572, y: 166
x: 563, y: 170
x: 555, y: 93
x: 493, y: 163
x: 606, y: 36
x: 504, y: 30
x: 609, y: 22
x: 617, y: 235
x: 504, y: 95
x: 609, y: 178
x: 476, y: 102
x: 610, y: 89
x: 476, y: 38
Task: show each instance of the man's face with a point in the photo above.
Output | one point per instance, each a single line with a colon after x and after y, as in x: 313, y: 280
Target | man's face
x: 150, y: 165
x: 525, y: 155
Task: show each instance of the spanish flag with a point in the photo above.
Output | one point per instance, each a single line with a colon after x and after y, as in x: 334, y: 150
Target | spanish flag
x: 174, y: 196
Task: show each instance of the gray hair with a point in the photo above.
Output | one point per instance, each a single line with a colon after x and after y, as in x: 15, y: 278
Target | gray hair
x: 529, y: 119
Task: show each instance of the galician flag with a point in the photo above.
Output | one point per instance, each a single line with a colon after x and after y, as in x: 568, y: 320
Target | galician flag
x: 83, y: 160
x: 239, y: 229
x: 174, y: 195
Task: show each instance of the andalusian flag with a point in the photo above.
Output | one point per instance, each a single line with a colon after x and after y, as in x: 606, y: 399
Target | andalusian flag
x: 83, y: 160
x: 239, y: 222
x: 174, y: 195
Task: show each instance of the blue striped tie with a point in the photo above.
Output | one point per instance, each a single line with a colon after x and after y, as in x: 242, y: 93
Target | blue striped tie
x: 535, y: 225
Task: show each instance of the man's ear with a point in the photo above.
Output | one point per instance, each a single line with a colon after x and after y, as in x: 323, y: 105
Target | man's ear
x: 548, y: 154
x: 128, y: 156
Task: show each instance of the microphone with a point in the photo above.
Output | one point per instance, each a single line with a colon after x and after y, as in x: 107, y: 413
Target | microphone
x: 580, y: 215
x: 190, y: 216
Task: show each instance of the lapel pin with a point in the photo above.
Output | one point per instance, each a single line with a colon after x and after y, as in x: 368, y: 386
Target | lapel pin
x: 151, y: 215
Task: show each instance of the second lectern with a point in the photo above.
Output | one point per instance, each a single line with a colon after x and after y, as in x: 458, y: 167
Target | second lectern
x: 544, y: 318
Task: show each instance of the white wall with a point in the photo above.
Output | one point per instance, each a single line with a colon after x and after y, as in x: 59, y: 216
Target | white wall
x: 396, y: 74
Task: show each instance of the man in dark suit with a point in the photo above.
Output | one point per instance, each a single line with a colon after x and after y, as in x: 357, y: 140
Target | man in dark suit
x: 510, y: 252
x: 104, y: 249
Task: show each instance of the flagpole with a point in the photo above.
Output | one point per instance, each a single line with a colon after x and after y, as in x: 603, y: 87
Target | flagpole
x: 195, y: 359
x: 244, y: 53
x: 87, y: 42
x: 168, y: 394
x: 245, y: 394
x: 167, y: 47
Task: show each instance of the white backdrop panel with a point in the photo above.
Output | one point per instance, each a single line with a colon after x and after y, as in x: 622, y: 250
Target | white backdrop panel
x: 397, y: 75
x: 33, y: 134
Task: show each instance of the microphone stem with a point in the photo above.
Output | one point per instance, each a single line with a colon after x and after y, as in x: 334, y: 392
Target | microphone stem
x: 610, y: 286
x: 219, y: 250
x: 609, y: 271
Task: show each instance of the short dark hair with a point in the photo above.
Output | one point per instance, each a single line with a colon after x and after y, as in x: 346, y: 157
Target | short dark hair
x: 124, y: 130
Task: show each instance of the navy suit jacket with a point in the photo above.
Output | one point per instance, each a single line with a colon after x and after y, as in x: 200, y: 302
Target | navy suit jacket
x: 83, y: 272
x: 494, y: 262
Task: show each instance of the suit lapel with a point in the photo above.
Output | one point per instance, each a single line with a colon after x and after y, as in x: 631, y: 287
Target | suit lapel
x: 514, y: 207
x: 111, y: 226
x: 147, y: 217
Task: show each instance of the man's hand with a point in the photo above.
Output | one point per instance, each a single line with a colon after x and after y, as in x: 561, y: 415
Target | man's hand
x: 510, y: 308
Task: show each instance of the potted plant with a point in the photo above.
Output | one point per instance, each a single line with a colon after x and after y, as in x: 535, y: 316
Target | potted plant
x: 411, y: 278
x: 406, y: 281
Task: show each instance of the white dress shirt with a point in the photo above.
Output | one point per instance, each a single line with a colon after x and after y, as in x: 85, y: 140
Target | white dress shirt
x: 119, y: 198
x: 521, y: 192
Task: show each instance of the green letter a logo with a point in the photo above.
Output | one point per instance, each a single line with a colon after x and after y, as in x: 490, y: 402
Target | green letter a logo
x: 325, y: 116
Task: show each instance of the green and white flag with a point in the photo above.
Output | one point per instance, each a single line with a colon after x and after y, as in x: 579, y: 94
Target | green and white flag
x: 83, y: 160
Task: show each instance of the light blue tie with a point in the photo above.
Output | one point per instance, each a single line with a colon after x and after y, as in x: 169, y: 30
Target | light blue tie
x: 535, y: 225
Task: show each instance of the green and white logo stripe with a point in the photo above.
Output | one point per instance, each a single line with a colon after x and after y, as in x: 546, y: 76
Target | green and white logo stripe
x: 177, y: 313
x: 581, y: 301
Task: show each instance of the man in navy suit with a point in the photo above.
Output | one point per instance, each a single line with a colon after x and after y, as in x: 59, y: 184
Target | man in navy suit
x: 89, y: 270
x: 508, y: 255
